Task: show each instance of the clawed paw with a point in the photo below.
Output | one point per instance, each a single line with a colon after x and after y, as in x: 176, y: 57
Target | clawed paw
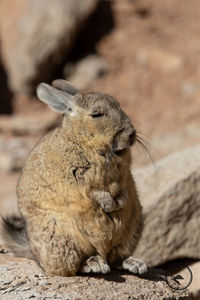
x: 95, y: 264
x: 134, y: 265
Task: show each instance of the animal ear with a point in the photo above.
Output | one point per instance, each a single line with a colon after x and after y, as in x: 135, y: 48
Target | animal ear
x: 65, y: 86
x: 57, y: 100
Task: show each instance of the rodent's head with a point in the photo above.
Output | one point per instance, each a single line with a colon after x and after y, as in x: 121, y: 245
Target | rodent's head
x: 89, y: 115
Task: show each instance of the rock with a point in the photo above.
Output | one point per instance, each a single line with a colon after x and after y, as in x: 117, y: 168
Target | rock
x: 194, y: 288
x: 84, y: 73
x: 37, y: 35
x: 22, y: 279
x: 189, y: 88
x: 8, y: 201
x: 171, y: 206
x: 162, y: 145
x: 159, y: 59
x: 29, y: 124
x: 13, y: 152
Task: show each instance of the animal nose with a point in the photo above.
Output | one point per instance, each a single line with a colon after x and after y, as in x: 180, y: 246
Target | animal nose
x: 132, y: 137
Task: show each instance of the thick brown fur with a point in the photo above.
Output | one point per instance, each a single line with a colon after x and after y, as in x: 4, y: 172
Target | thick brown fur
x: 65, y: 225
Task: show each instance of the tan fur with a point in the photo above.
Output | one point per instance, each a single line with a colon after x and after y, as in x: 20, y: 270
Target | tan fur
x: 65, y: 225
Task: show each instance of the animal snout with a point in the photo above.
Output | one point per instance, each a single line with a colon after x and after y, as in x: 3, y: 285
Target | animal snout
x: 132, y: 137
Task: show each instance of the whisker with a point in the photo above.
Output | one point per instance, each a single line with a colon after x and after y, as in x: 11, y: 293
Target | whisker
x: 150, y: 146
x: 146, y: 147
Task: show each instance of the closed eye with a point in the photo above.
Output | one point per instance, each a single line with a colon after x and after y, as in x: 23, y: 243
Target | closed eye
x: 97, y: 115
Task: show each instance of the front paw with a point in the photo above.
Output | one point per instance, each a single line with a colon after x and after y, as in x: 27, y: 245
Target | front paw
x: 108, y: 204
x: 104, y: 200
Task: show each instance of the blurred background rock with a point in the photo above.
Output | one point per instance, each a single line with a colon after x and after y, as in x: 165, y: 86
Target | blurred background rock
x: 146, y: 53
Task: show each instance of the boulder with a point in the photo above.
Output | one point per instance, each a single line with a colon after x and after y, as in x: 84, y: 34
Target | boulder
x: 159, y: 59
x: 170, y: 198
x: 29, y: 124
x: 23, y: 279
x: 13, y: 152
x: 86, y: 71
x: 37, y: 35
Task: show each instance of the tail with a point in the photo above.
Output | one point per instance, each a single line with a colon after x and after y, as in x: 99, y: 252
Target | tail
x: 14, y: 235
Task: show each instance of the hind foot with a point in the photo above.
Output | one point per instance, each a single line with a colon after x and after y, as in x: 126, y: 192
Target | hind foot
x: 134, y: 265
x: 95, y: 264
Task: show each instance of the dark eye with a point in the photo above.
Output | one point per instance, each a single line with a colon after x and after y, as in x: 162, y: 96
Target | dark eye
x: 97, y: 115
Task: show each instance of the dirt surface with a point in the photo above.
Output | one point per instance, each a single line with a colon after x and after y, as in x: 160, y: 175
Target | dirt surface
x: 23, y: 279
